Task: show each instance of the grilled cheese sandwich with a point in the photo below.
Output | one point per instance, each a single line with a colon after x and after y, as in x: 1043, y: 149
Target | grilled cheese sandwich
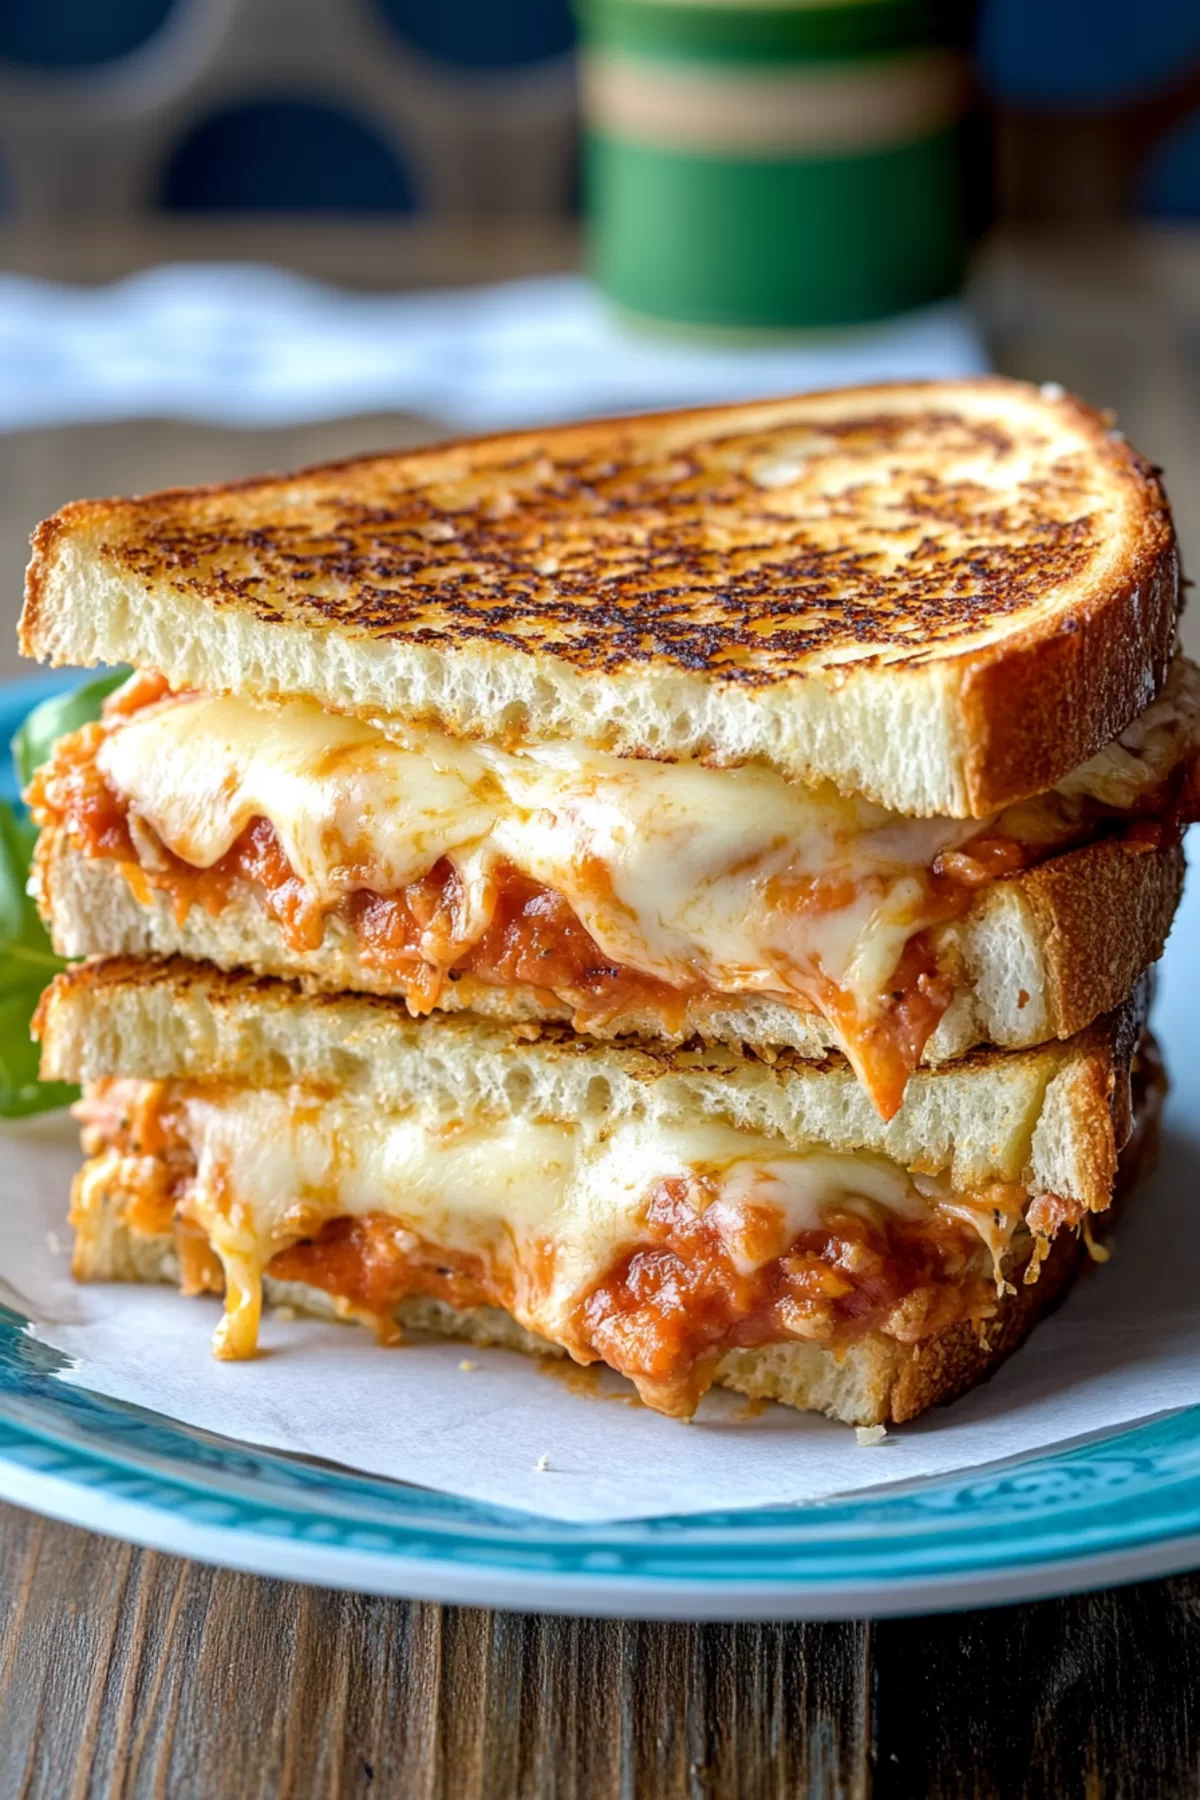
x: 797, y: 789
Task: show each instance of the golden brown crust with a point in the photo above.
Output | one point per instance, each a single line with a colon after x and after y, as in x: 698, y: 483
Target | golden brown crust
x: 1112, y: 1037
x: 947, y: 1365
x: 1040, y: 705
x: 1008, y: 539
x: 627, y: 510
x: 219, y: 988
x: 1103, y: 913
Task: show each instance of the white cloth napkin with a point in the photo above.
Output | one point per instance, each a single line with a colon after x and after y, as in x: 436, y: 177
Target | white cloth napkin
x: 240, y: 344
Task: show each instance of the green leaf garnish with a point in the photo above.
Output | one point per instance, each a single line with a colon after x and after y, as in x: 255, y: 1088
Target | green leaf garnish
x: 21, y: 1093
x: 34, y: 740
x: 27, y: 963
x: 27, y: 958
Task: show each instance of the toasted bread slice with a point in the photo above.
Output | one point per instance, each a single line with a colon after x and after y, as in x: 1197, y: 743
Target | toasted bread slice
x: 1042, y: 955
x: 1052, y: 1119
x: 1043, y: 1111
x: 943, y: 596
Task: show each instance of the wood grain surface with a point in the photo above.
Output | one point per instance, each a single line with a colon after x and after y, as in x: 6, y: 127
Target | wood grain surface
x: 125, y: 1673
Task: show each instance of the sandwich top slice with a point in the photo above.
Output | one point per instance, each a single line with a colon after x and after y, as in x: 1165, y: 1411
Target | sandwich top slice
x: 942, y: 597
x: 619, y: 894
x: 683, y: 1216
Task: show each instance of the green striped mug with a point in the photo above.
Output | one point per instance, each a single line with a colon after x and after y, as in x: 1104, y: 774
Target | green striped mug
x: 772, y: 164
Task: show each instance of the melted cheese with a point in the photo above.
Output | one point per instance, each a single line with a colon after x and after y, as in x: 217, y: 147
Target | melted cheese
x: 704, y: 874
x: 732, y: 880
x: 1145, y: 753
x: 272, y: 1166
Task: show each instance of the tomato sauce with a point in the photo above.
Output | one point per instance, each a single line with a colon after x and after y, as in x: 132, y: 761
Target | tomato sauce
x: 534, y: 938
x: 415, y: 940
x: 666, y: 1311
x: 374, y: 1263
x: 886, y: 1045
x: 673, y: 1305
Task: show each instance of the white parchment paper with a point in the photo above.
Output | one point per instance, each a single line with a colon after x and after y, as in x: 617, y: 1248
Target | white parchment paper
x: 1126, y: 1345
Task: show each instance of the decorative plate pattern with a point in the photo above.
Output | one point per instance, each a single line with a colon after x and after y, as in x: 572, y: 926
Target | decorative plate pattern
x: 1123, y: 1507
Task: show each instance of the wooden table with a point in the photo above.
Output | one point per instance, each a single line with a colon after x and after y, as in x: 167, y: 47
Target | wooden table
x: 129, y: 1673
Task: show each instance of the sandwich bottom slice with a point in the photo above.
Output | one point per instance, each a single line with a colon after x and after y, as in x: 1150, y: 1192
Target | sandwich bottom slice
x: 686, y: 1216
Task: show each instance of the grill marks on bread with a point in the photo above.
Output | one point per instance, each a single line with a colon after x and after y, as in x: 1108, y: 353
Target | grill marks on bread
x: 745, y: 554
x: 866, y: 586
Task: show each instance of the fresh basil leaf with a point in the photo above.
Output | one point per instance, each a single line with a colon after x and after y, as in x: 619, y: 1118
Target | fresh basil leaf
x: 16, y: 847
x: 35, y: 739
x: 27, y: 963
x: 21, y: 1092
x: 27, y: 959
x: 23, y: 939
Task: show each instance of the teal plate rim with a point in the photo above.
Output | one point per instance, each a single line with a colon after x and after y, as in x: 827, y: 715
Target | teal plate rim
x: 1112, y: 1509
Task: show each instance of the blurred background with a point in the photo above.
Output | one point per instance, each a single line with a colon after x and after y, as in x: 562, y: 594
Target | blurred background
x: 467, y: 109
x: 248, y: 233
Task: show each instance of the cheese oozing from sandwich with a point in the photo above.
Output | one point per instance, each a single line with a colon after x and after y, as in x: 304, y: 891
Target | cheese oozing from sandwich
x: 688, y: 879
x: 678, y: 870
x: 733, y: 1237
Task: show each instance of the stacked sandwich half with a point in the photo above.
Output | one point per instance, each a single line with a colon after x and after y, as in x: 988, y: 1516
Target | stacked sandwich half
x: 675, y: 891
